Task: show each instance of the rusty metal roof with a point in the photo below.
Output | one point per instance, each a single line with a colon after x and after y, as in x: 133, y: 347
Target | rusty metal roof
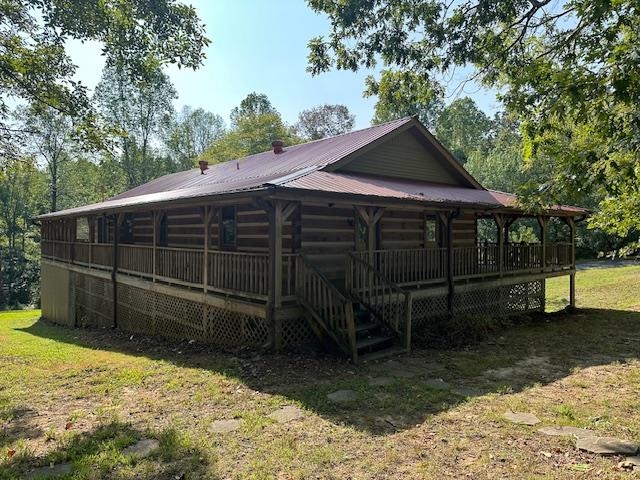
x: 266, y: 166
x: 300, y: 167
x: 399, y: 188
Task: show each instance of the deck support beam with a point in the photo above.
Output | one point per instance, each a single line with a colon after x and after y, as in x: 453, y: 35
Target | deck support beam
x: 117, y: 223
x: 450, y: 260
x: 278, y: 212
x: 572, y: 276
x: 542, y: 222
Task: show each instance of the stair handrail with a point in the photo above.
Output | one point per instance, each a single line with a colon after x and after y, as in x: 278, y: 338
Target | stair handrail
x: 370, y: 296
x: 332, y: 311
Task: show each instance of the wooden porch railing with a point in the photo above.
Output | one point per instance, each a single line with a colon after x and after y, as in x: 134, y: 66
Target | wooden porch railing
x: 476, y: 260
x: 179, y: 264
x: 81, y: 252
x: 330, y: 310
x: 135, y: 259
x: 558, y: 255
x: 239, y: 272
x: 101, y: 255
x: 390, y: 303
x: 522, y: 257
x: 409, y: 266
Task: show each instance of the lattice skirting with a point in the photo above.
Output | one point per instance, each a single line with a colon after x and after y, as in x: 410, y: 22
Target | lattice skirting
x: 297, y: 332
x: 500, y: 301
x: 152, y: 313
x: 93, y: 299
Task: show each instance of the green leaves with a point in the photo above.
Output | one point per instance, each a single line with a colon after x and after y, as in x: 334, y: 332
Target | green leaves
x: 568, y: 69
x: 136, y: 36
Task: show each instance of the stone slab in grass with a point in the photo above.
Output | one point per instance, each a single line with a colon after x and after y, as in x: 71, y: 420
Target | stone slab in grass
x: 522, y: 418
x: 342, y: 396
x: 286, y: 414
x: 437, y: 384
x: 53, y: 471
x: 633, y: 461
x: 607, y: 446
x: 380, y: 381
x: 567, y: 431
x: 143, y: 448
x: 225, y: 426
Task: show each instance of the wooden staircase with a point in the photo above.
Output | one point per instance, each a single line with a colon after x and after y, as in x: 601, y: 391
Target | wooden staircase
x: 355, y: 328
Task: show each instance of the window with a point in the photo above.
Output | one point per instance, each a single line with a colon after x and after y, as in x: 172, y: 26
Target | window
x: 163, y: 231
x: 126, y: 229
x: 103, y: 230
x: 228, y: 227
x: 82, y: 229
x: 430, y: 231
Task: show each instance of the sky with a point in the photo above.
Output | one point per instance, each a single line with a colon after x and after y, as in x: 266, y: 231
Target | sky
x: 261, y: 46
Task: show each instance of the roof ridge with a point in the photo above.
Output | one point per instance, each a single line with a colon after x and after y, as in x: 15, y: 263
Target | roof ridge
x: 398, y: 120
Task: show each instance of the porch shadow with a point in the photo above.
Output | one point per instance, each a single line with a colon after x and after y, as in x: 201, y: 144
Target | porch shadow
x: 101, y: 453
x: 398, y: 393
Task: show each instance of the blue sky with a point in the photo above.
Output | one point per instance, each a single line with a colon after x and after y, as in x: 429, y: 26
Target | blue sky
x: 260, y: 45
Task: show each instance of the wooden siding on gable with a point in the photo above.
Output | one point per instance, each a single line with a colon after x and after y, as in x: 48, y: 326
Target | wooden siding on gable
x: 404, y: 156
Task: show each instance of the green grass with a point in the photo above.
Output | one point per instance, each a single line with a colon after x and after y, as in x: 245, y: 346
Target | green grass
x: 81, y: 396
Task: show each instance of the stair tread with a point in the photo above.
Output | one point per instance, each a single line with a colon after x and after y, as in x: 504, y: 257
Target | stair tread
x: 366, y: 326
x: 368, y: 342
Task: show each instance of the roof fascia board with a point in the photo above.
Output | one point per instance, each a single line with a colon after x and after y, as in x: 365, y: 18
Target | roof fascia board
x: 301, y: 194
x: 220, y: 198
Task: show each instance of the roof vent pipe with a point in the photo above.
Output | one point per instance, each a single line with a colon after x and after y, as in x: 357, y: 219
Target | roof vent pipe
x: 277, y: 146
x: 204, y: 165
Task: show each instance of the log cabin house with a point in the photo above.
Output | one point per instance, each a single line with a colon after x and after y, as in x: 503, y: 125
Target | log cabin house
x: 357, y: 239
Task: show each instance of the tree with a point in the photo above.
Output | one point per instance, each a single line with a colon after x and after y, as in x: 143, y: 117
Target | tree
x: 401, y: 94
x: 191, y: 133
x: 22, y: 195
x: 252, y: 134
x: 136, y: 111
x: 560, y: 65
x: 252, y: 105
x: 463, y: 128
x: 35, y: 68
x: 324, y: 121
x: 255, y: 123
x: 50, y: 141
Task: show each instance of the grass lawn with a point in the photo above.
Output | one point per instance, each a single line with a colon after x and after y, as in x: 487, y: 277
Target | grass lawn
x: 81, y: 396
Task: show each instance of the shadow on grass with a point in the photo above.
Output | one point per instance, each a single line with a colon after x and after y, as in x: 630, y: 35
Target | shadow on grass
x: 538, y: 350
x: 99, y: 454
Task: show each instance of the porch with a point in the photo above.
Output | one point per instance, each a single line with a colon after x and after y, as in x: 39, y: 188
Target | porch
x: 383, y: 291
x: 247, y: 274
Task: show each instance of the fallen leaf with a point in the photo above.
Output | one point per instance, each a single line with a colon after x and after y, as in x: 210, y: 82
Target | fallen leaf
x: 68, y: 425
x: 11, y: 453
x: 580, y: 467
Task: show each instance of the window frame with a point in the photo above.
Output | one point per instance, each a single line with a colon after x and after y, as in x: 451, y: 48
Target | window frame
x: 222, y: 227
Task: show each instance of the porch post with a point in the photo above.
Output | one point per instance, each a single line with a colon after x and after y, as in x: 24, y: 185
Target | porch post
x: 92, y: 237
x: 499, y: 221
x: 542, y: 221
x: 572, y: 275
x: 450, y: 261
x: 274, y: 211
x: 156, y: 219
x: 117, y: 222
x: 206, y: 218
